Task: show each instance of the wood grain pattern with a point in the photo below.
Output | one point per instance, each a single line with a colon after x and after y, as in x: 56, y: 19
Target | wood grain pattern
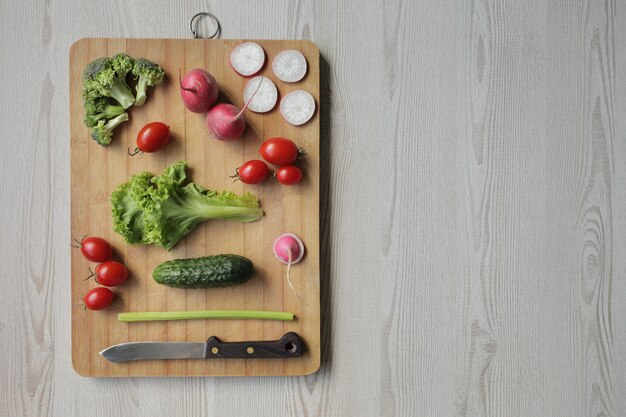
x: 485, y: 231
x: 97, y: 171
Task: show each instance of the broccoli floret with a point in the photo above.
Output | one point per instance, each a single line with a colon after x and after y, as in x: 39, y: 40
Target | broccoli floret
x: 148, y: 74
x: 106, y: 77
x: 96, y: 66
x: 102, y: 132
x: 100, y: 108
x: 106, y: 95
x: 122, y: 64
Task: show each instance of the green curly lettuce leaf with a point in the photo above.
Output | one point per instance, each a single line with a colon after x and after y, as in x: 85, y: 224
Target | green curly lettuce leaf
x: 161, y: 210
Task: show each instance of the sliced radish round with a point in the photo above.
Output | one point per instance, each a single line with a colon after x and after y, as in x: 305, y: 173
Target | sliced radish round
x: 288, y: 248
x: 266, y: 96
x: 289, y: 66
x: 297, y: 107
x: 247, y: 59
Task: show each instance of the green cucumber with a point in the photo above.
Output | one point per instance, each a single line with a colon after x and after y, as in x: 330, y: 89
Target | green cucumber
x: 206, y: 272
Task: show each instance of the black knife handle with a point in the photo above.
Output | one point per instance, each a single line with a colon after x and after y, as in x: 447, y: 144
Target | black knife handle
x: 288, y: 346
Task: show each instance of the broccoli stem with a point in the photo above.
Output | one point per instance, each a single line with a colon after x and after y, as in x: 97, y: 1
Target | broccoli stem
x: 122, y: 93
x: 115, y: 122
x: 142, y: 86
x: 103, y: 132
x: 109, y: 112
x: 112, y: 111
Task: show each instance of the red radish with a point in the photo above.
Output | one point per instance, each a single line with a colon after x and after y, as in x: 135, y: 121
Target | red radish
x: 289, y: 66
x: 247, y: 59
x: 297, y: 107
x: 265, y: 98
x: 199, y: 90
x: 289, y: 249
x: 226, y: 121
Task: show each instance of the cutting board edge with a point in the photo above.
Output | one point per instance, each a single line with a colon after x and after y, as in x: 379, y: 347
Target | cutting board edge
x: 89, y: 371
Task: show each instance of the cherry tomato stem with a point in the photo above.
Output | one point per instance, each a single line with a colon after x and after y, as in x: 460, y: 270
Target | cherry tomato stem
x: 135, y: 152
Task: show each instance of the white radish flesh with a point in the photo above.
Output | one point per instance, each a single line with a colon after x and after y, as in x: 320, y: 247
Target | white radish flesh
x: 297, y: 107
x: 247, y: 59
x: 289, y: 66
x: 266, y: 96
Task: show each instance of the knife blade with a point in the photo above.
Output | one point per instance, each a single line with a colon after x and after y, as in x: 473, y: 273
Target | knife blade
x: 288, y: 346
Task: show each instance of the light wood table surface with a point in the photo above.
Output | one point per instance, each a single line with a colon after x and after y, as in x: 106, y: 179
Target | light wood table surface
x: 473, y: 216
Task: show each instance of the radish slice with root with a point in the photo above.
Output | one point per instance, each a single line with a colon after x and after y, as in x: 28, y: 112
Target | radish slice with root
x: 288, y: 246
x: 289, y: 249
x: 247, y: 59
x: 289, y: 66
x: 266, y: 96
x: 297, y: 107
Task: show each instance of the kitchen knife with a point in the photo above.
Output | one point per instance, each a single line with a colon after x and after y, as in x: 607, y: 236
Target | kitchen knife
x: 288, y: 346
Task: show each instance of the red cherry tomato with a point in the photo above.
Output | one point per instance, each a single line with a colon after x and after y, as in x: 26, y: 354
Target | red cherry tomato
x: 252, y: 172
x: 111, y: 273
x: 95, y: 249
x: 289, y: 175
x: 98, y: 298
x: 153, y: 137
x: 280, y: 151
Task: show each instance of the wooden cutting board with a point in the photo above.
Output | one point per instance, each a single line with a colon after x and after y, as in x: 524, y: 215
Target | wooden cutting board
x: 96, y: 171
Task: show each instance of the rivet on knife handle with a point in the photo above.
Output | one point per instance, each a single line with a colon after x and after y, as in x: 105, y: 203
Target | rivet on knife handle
x: 288, y: 346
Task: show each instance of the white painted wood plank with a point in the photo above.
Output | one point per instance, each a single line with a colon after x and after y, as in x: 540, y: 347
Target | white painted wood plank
x: 473, y: 211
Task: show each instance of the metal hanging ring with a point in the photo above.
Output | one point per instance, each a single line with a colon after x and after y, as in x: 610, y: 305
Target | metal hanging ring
x: 193, y: 25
